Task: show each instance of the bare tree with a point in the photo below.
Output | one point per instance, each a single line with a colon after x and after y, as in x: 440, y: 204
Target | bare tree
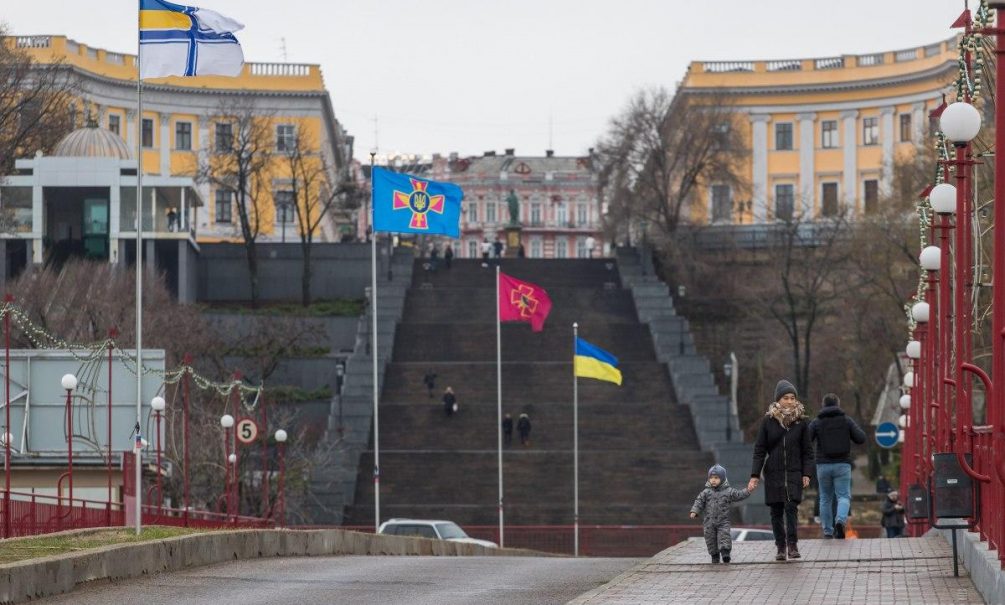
x: 661, y: 151
x: 241, y: 161
x: 35, y: 103
x: 317, y: 189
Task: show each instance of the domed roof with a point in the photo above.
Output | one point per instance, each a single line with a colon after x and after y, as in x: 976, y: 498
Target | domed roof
x: 92, y: 142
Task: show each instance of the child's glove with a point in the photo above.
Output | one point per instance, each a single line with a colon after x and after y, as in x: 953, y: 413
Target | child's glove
x: 694, y: 515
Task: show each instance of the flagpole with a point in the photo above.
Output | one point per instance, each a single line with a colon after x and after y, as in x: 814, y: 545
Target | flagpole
x: 138, y: 447
x: 575, y: 443
x: 502, y: 539
x: 376, y: 387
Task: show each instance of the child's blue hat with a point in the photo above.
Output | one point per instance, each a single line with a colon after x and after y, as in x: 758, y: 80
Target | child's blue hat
x: 718, y: 471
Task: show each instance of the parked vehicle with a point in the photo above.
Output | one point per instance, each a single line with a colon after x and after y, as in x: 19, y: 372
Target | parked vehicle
x: 744, y: 534
x: 425, y: 528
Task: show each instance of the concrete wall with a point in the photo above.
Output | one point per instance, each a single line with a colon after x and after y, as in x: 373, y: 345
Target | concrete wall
x: 982, y: 563
x: 38, y: 578
x: 337, y: 332
x: 339, y: 271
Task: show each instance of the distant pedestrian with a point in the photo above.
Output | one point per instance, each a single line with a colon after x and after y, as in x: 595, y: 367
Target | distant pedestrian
x: 449, y: 402
x: 893, y: 515
x: 834, y: 433
x: 523, y: 427
x: 486, y: 250
x: 448, y: 256
x: 784, y: 452
x: 521, y: 252
x: 883, y: 485
x: 497, y: 248
x: 430, y: 381
x: 713, y: 506
x: 172, y: 218
x: 507, y: 429
x: 434, y: 257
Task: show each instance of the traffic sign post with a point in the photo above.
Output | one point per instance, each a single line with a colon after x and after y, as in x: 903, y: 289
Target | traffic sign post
x: 887, y: 435
x: 247, y: 431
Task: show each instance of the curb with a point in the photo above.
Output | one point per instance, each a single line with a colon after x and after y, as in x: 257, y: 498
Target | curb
x: 982, y: 564
x: 37, y: 578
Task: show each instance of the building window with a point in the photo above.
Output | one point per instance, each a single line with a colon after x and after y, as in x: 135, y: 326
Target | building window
x: 561, y: 247
x: 829, y: 134
x: 284, y: 207
x: 285, y: 137
x: 582, y: 215
x: 871, y: 197
x: 535, y: 214
x: 147, y: 137
x: 472, y: 248
x: 561, y: 214
x: 722, y: 204
x: 783, y: 136
x: 473, y: 212
x: 114, y: 124
x: 490, y: 212
x: 224, y: 137
x: 183, y: 136
x: 870, y: 131
x: 536, y: 249
x: 223, y: 205
x: 905, y: 128
x: 581, y: 248
x: 784, y: 202
x: 829, y: 199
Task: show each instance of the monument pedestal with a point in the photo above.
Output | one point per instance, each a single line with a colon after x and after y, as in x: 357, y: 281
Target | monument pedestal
x: 513, y: 240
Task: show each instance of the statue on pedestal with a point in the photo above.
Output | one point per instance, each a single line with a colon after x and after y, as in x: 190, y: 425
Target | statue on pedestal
x: 513, y: 202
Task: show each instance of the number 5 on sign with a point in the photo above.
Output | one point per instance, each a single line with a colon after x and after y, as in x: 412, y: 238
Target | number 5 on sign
x: 247, y: 430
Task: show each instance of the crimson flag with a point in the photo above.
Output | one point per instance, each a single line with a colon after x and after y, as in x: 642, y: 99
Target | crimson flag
x: 523, y: 301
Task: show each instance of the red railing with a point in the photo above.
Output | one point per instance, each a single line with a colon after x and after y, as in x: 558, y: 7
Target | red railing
x: 34, y: 514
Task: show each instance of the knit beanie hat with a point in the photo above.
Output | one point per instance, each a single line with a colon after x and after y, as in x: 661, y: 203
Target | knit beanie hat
x: 718, y: 471
x: 783, y: 388
x: 830, y: 399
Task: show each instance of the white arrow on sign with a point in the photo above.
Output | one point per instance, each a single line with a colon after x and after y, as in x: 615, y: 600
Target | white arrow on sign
x: 891, y: 434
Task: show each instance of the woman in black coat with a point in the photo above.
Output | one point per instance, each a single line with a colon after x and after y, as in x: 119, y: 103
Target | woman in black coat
x: 784, y: 453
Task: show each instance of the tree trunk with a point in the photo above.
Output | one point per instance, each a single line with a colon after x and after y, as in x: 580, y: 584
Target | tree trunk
x: 305, y: 292
x: 252, y: 254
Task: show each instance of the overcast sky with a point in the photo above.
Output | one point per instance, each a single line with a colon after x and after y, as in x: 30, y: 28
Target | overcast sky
x: 475, y: 75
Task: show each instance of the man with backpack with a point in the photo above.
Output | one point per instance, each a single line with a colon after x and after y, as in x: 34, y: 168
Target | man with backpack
x: 834, y: 433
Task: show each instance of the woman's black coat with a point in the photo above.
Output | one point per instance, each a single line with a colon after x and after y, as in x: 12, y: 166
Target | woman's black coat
x: 785, y: 457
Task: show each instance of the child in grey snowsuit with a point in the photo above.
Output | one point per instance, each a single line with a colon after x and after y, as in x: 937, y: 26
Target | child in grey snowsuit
x: 713, y: 504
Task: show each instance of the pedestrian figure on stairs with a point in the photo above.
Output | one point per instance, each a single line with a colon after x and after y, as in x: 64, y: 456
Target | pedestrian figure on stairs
x: 486, y: 250
x: 497, y: 249
x: 449, y: 402
x: 507, y: 429
x: 430, y: 381
x: 523, y: 427
x: 713, y: 506
x: 784, y: 452
x: 448, y: 256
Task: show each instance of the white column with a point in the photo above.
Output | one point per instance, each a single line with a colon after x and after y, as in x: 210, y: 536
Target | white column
x: 759, y: 181
x: 165, y: 146
x: 918, y: 118
x: 887, y: 135
x: 807, y: 171
x: 850, y: 150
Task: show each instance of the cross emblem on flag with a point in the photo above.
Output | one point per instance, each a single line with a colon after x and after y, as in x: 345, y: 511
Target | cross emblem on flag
x: 523, y: 298
x: 419, y: 202
x: 523, y: 301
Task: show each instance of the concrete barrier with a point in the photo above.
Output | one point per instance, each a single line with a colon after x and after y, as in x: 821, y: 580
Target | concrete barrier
x: 42, y: 577
x: 982, y: 564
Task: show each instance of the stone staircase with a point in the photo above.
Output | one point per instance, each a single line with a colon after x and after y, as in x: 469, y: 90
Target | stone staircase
x: 332, y: 486
x: 640, y: 458
x: 691, y: 375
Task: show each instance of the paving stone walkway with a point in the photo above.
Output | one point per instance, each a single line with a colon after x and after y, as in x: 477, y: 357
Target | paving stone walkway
x: 907, y: 570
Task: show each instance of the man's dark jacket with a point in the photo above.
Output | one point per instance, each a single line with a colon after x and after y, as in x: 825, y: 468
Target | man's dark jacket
x: 834, y: 432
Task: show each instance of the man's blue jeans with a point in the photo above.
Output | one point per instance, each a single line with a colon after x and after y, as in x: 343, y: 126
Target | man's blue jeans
x: 835, y: 481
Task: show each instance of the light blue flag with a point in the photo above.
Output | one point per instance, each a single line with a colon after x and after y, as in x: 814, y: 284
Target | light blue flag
x: 407, y: 204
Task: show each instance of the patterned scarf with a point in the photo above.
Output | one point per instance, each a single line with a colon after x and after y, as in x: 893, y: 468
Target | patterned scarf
x: 786, y: 415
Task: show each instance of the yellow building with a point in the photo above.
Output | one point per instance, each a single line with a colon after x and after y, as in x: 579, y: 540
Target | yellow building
x: 823, y: 133
x: 180, y: 125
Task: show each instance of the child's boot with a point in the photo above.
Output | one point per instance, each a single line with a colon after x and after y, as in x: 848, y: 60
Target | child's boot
x: 715, y: 559
x: 725, y: 555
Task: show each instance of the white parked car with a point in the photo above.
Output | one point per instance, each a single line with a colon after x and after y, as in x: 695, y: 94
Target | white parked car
x: 743, y: 534
x: 425, y: 528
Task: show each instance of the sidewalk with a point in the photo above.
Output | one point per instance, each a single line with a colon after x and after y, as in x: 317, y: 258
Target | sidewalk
x: 906, y: 570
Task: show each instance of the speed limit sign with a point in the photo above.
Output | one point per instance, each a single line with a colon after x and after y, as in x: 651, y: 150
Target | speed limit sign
x: 247, y: 430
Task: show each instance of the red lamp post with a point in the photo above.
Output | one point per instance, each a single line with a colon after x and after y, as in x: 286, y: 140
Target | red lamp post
x: 227, y: 422
x: 157, y: 404
x: 8, y: 299
x: 281, y: 490
x: 69, y: 382
x: 187, y: 360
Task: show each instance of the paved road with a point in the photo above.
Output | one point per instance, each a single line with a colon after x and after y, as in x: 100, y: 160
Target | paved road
x: 873, y: 572
x: 364, y: 581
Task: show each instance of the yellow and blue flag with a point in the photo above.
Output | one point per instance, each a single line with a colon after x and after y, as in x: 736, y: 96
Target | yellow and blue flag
x: 407, y: 204
x: 179, y: 40
x: 593, y: 362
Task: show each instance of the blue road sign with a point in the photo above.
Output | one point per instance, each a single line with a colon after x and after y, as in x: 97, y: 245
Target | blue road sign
x: 887, y: 434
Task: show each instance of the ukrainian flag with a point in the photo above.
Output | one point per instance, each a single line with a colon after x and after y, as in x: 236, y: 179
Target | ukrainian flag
x: 593, y: 362
x: 181, y: 40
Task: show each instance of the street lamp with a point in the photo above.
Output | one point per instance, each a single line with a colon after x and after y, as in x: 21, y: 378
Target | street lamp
x: 920, y: 312
x: 905, y: 402
x: 909, y: 380
x: 681, y: 292
x: 728, y: 369
x: 227, y: 422
x: 69, y: 382
x: 960, y: 122
x: 913, y: 349
x: 930, y: 258
x: 943, y: 198
x: 157, y: 404
x: 281, y: 446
